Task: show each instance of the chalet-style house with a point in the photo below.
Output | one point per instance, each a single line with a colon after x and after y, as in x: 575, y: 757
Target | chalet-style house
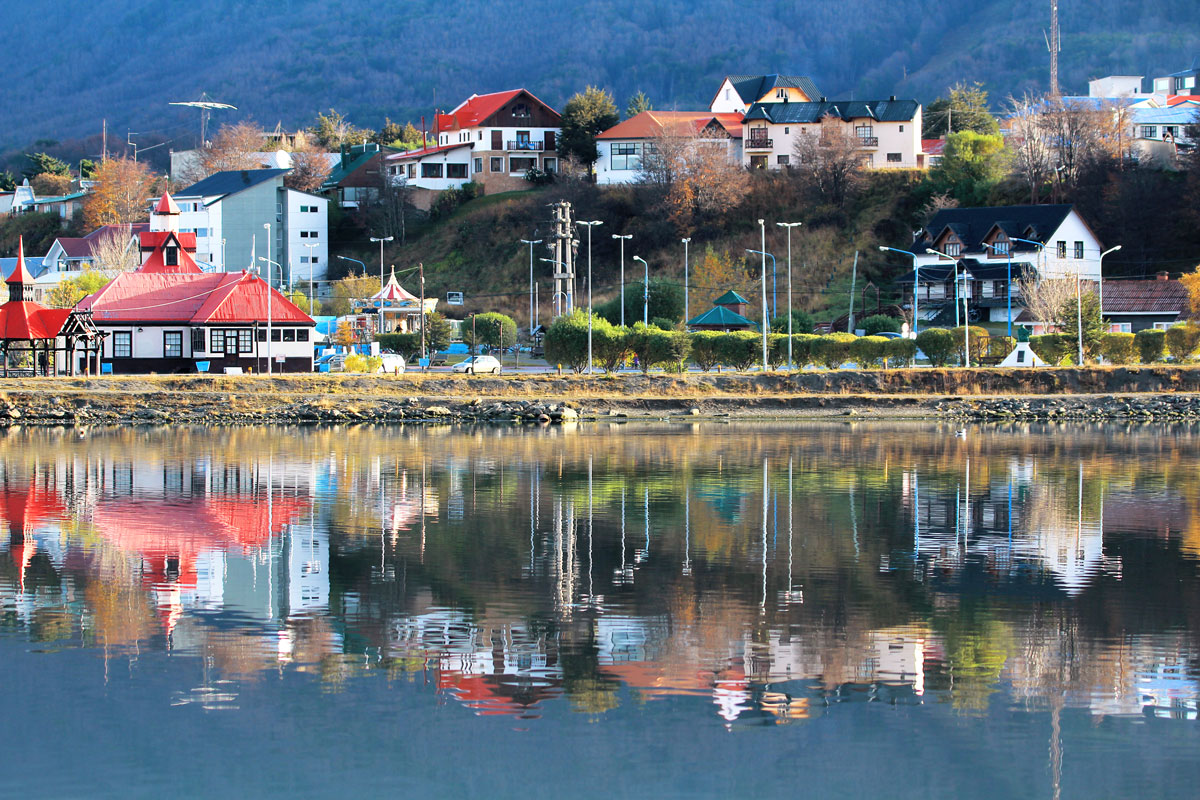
x: 169, y: 316
x: 984, y: 242
x: 738, y: 93
x: 238, y: 216
x: 622, y: 147
x: 491, y: 139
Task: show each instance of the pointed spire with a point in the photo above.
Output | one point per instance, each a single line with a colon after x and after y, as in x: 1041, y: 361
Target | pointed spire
x: 166, y: 205
x: 20, y: 275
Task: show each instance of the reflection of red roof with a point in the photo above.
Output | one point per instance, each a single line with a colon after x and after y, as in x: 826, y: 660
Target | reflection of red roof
x: 234, y: 297
x: 662, y: 679
x: 650, y: 124
x: 497, y: 695
x: 24, y: 508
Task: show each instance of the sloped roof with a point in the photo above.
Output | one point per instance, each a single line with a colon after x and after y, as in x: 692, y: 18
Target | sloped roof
x: 205, y: 298
x: 846, y: 110
x: 19, y: 274
x: 1144, y: 297
x: 730, y: 298
x: 166, y: 205
x: 426, y: 151
x: 394, y: 292
x: 752, y: 87
x: 973, y: 224
x: 27, y: 320
x: 476, y: 109
x: 157, y: 262
x: 721, y: 316
x: 650, y: 124
x: 34, y: 266
x: 221, y: 184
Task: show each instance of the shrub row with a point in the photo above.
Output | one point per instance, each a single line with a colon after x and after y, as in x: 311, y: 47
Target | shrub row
x: 1147, y: 346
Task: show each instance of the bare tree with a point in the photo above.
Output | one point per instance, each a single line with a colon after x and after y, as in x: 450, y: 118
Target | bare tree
x: 697, y: 172
x: 1046, y: 298
x: 112, y: 252
x: 235, y: 147
x: 310, y: 168
x: 831, y: 163
x: 1033, y: 158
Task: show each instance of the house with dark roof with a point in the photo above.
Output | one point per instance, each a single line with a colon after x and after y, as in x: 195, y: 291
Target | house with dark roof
x: 1134, y: 305
x: 738, y: 93
x: 993, y: 247
x: 886, y: 133
x: 358, y: 175
x: 240, y: 216
x: 491, y: 139
x: 622, y: 147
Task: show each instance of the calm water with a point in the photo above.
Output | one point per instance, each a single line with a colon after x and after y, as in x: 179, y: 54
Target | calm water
x: 616, y: 611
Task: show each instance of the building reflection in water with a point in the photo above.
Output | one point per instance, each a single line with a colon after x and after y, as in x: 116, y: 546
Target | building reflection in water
x: 506, y: 569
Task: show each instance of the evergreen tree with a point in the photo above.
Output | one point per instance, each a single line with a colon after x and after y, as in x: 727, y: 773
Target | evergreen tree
x: 637, y: 104
x: 966, y: 109
x: 586, y: 115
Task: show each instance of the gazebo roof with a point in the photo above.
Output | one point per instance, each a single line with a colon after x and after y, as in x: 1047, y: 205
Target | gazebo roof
x: 720, y: 316
x: 393, y: 292
x: 730, y: 298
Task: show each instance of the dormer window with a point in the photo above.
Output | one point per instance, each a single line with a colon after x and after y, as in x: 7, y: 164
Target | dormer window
x: 781, y: 94
x: 1000, y: 247
x: 952, y: 249
x: 171, y: 256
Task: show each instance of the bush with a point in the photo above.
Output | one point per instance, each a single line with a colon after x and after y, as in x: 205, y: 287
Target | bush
x: 902, y: 350
x: 777, y: 349
x: 833, y: 350
x: 610, y: 343
x: 566, y: 340
x: 360, y: 363
x: 706, y: 349
x: 977, y: 340
x: 654, y: 346
x: 880, y: 323
x: 406, y: 344
x: 739, y: 349
x: 938, y: 345
x: 1117, y: 348
x: 493, y: 330
x: 1182, y: 340
x: 664, y: 323
x: 1053, y: 348
x: 1151, y: 345
x: 869, y: 351
x: 804, y: 349
x: 802, y: 322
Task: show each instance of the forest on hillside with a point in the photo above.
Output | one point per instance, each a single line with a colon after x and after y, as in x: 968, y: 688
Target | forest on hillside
x: 284, y: 60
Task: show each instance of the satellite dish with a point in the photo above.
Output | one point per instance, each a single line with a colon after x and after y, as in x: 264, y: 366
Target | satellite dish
x: 206, y: 105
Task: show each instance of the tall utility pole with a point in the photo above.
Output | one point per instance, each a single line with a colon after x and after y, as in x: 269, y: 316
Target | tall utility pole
x: 1054, y: 45
x: 531, y: 243
x: 564, y: 254
x: 853, y: 280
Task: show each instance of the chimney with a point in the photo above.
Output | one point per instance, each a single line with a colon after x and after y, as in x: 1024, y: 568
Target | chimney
x: 1162, y: 276
x: 892, y: 99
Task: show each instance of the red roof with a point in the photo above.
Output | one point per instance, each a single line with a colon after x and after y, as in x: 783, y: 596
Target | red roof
x: 156, y: 261
x: 1144, y: 297
x: 650, y: 124
x: 26, y: 320
x: 475, y: 110
x: 166, y: 205
x: 20, y: 274
x: 933, y: 147
x: 206, y: 298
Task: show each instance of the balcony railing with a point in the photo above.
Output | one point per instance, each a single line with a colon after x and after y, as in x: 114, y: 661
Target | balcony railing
x: 759, y: 143
x: 525, y: 144
x: 868, y: 141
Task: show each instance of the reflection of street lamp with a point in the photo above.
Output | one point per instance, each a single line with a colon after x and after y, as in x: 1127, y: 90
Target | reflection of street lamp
x: 789, y: 226
x: 645, y: 291
x: 623, y: 238
x: 590, y: 225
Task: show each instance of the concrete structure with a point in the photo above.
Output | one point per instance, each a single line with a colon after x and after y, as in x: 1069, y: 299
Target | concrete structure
x: 358, y: 175
x: 622, y: 147
x: 227, y: 212
x: 1117, y: 86
x: 1186, y: 82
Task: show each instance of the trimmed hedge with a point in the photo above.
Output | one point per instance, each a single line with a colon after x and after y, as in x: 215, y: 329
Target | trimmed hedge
x: 1053, y: 348
x: 1182, y: 340
x: 1118, y: 348
x: 938, y: 345
x: 1151, y: 345
x: 833, y: 350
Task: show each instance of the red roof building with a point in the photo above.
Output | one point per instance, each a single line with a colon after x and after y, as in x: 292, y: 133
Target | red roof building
x: 164, y: 249
x: 621, y: 147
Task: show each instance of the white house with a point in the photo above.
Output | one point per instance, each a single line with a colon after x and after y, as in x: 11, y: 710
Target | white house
x: 1059, y: 244
x: 622, y: 147
x: 739, y: 92
x: 239, y: 216
x: 887, y: 132
x: 491, y: 139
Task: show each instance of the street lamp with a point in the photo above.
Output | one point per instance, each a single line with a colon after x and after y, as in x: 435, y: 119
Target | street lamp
x: 966, y: 325
x: 381, y: 241
x: 1041, y: 249
x: 645, y: 291
x: 531, y: 243
x: 1100, y: 282
x: 933, y: 252
x: 916, y: 280
x: 310, y: 247
x: 270, y: 263
x: 560, y: 295
x: 762, y: 225
x: 590, y: 225
x: 992, y: 248
x: 622, y: 238
x: 685, y: 278
x: 789, y: 226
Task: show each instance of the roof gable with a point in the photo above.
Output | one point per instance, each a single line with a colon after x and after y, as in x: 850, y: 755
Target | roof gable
x: 221, y: 184
x: 972, y: 225
x: 752, y: 88
x: 481, y: 109
x: 653, y: 124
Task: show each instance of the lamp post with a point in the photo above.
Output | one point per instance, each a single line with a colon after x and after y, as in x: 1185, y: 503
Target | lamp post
x: 1041, y: 249
x: 1100, y: 281
x: 381, y: 241
x: 622, y: 238
x: 270, y: 263
x: 789, y: 226
x: 645, y: 291
x: 531, y: 243
x: 685, y: 278
x: 590, y: 225
x: 559, y: 295
x: 916, y: 280
x: 764, y: 254
x: 992, y: 249
x: 966, y: 320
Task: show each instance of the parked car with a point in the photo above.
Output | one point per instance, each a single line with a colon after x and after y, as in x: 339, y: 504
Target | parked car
x: 393, y: 363
x: 478, y: 364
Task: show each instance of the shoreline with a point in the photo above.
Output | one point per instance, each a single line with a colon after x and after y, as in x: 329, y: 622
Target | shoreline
x: 1135, y: 394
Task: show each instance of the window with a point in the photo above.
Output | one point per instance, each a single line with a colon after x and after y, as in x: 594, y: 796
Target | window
x: 308, y: 234
x: 758, y: 162
x: 315, y: 259
x: 782, y: 161
x: 520, y: 110
x: 197, y: 340
x: 893, y: 158
x: 496, y: 164
x: 216, y: 342
x: 412, y: 170
x: 550, y: 164
x: 864, y: 131
x: 172, y: 344
x: 276, y: 335
x: 781, y: 94
x: 171, y: 256
x: 122, y: 344
x: 728, y: 92
x: 431, y: 170
x: 1171, y: 131
x: 902, y: 129
x: 302, y: 335
x: 626, y: 155
x: 1061, y: 247
x: 245, y: 343
x: 1120, y: 327
x: 1149, y: 131
x: 478, y: 165
x: 201, y: 232
x: 262, y: 334
x: 1079, y: 249
x: 303, y: 259
x: 456, y: 170
x: 1000, y: 247
x: 953, y: 249
x: 521, y: 164
x: 289, y: 335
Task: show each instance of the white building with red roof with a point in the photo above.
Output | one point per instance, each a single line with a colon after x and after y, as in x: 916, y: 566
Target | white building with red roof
x: 622, y: 147
x: 159, y: 321
x: 164, y: 248
x: 492, y: 139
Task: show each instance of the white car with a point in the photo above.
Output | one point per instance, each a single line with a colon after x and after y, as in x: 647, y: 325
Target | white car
x: 393, y: 364
x: 478, y: 364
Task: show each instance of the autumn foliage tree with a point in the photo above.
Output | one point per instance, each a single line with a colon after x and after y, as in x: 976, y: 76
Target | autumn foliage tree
x: 121, y: 195
x: 698, y: 174
x: 715, y: 274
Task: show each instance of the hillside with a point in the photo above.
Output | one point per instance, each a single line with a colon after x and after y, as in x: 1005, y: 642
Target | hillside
x: 70, y: 63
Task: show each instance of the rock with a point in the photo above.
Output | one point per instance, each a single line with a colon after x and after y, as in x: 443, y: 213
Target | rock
x: 567, y: 415
x: 437, y: 411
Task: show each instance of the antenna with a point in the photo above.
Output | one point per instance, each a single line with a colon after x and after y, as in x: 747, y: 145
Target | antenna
x: 206, y: 105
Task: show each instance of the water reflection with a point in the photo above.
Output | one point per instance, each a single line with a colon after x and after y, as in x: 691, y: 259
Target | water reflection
x: 765, y: 574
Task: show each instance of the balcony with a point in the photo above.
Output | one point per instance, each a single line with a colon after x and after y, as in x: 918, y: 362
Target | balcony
x: 868, y: 142
x: 526, y: 145
x: 759, y: 143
